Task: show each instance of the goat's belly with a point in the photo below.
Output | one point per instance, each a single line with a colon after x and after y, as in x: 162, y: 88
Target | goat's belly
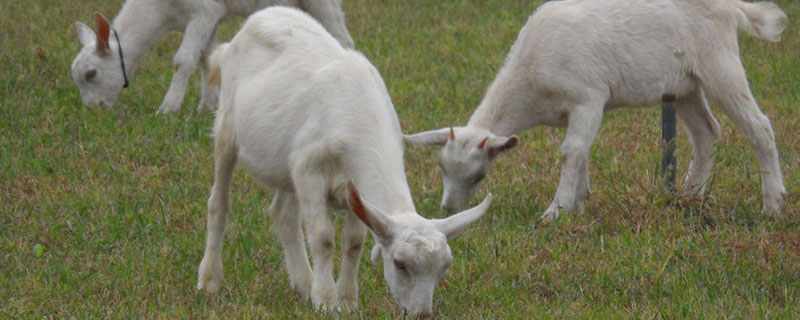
x: 648, y: 92
x: 278, y: 176
x: 273, y: 174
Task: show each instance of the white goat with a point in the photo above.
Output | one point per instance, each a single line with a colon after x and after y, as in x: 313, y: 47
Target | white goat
x: 99, y: 69
x: 576, y: 59
x: 313, y: 120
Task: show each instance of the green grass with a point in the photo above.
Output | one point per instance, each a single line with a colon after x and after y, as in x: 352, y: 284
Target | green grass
x: 103, y: 212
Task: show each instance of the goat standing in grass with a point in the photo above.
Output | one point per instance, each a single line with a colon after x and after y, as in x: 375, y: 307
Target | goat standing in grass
x: 314, y: 120
x: 100, y: 71
x: 576, y: 59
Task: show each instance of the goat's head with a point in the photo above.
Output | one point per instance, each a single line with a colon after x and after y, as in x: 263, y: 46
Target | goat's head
x: 464, y: 160
x: 414, y: 249
x: 97, y: 70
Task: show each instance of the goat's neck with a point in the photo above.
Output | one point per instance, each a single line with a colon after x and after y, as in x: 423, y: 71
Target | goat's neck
x: 139, y: 29
x: 381, y: 180
x: 504, y: 109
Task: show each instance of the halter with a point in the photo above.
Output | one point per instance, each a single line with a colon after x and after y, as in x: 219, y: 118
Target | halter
x: 121, y: 60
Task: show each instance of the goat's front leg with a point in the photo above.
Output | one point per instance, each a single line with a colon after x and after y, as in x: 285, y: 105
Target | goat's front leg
x: 195, y: 38
x: 583, y: 190
x: 353, y: 235
x: 573, y: 188
x: 311, y: 190
x: 287, y: 225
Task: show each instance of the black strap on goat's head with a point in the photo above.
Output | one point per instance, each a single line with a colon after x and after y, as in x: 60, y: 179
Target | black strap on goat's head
x: 121, y: 60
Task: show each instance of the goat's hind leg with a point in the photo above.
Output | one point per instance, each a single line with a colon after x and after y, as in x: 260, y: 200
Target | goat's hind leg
x: 703, y: 129
x: 219, y: 204
x: 195, y: 39
x: 583, y: 189
x: 330, y: 15
x: 726, y: 83
x: 287, y: 225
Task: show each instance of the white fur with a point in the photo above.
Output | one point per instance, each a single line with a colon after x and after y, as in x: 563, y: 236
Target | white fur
x: 305, y: 116
x: 575, y: 59
x: 142, y: 23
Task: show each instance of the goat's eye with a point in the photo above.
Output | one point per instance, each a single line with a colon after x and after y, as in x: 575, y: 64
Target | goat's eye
x: 478, y: 177
x: 399, y: 265
x: 91, y: 74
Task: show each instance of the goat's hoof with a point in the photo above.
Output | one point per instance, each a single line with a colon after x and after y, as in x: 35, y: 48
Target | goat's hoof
x: 691, y: 195
x: 348, y: 303
x: 206, y: 105
x: 209, y: 276
x: 210, y: 104
x: 211, y: 286
x: 550, y: 215
x: 168, y: 108
x: 580, y: 207
x: 209, y: 97
x: 325, y: 307
x: 772, y: 208
x: 324, y: 301
x: 303, y: 288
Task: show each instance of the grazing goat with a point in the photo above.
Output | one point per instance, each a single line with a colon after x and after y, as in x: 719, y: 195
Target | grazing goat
x: 101, y: 69
x: 576, y: 59
x: 314, y: 120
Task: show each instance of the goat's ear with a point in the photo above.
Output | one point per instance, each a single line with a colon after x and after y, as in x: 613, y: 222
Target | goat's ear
x: 483, y: 143
x: 430, y: 138
x: 103, y: 31
x: 457, y: 223
x: 498, y: 145
x: 85, y: 34
x: 379, y: 223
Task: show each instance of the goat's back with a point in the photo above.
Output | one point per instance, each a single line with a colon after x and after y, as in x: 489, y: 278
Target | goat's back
x: 284, y: 30
x: 623, y: 48
x: 274, y: 56
x: 290, y: 92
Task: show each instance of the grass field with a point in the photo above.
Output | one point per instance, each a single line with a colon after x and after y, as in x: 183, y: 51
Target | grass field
x: 102, y: 212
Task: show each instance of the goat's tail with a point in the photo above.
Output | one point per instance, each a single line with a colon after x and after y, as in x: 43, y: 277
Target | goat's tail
x: 761, y: 19
x: 213, y: 80
x: 214, y: 62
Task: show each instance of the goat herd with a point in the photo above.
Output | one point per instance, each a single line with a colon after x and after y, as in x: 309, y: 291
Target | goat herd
x: 309, y: 116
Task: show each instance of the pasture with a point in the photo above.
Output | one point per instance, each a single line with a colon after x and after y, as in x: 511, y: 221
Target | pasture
x: 102, y: 212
